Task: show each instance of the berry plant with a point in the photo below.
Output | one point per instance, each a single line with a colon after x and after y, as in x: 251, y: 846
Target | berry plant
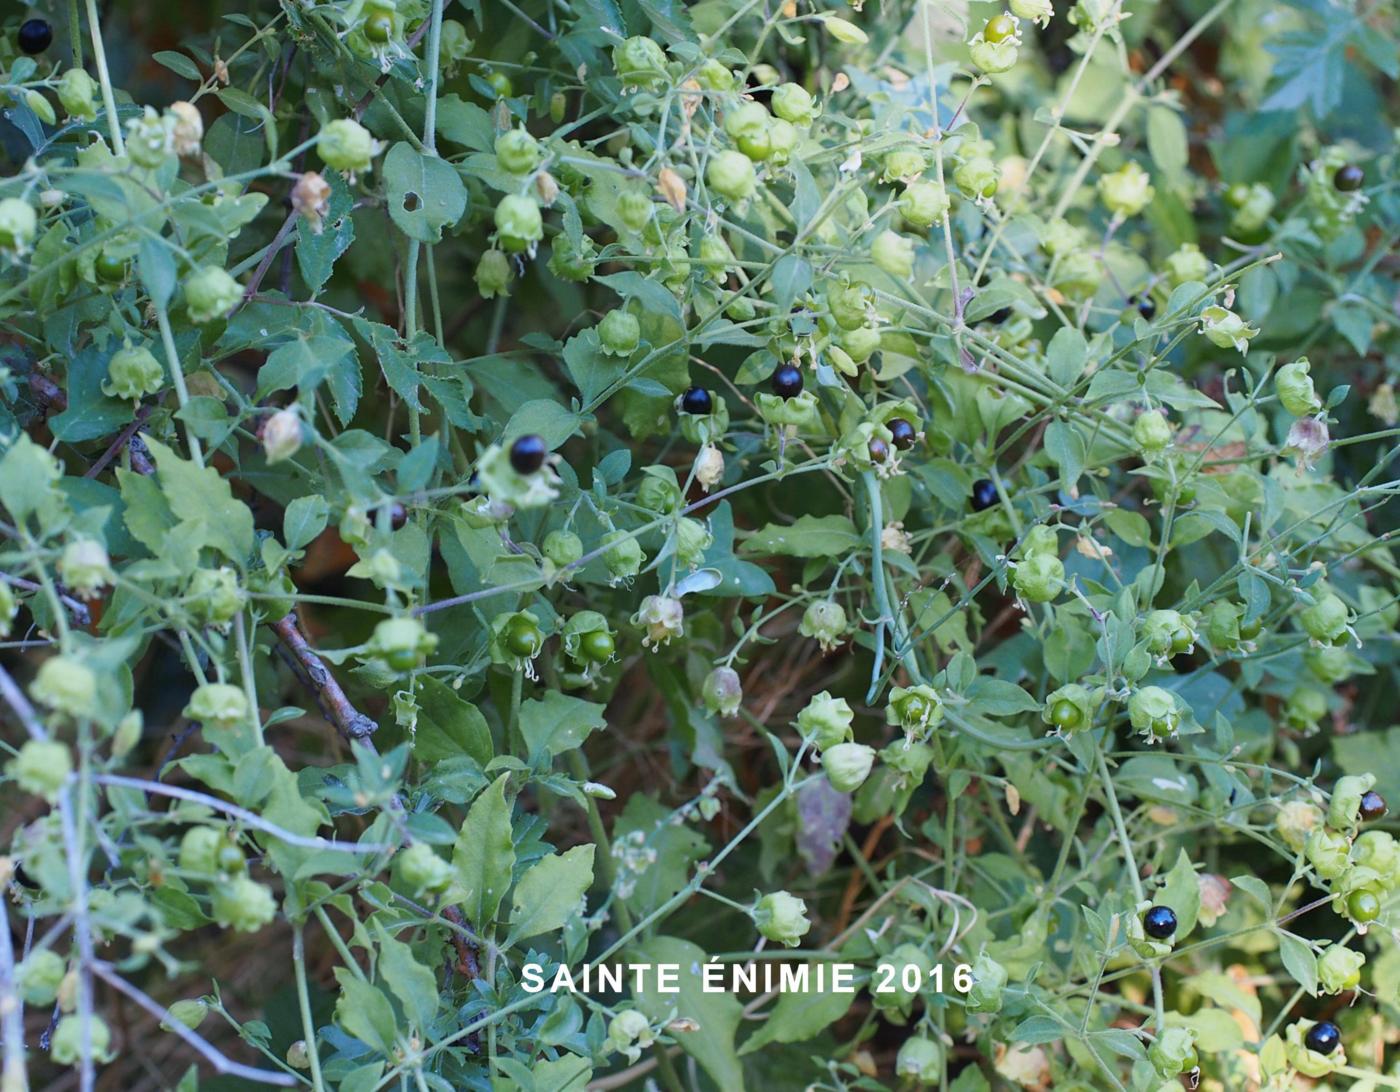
x: 493, y: 488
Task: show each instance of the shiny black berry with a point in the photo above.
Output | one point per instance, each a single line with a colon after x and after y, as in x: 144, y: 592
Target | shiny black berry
x: 1145, y: 307
x: 996, y: 318
x: 697, y: 401
x: 527, y: 454
x: 901, y: 432
x: 1323, y: 1037
x: 1349, y: 178
x: 787, y: 381
x: 36, y: 34
x: 878, y: 450
x: 1159, y: 922
x: 1372, y: 806
x: 984, y: 494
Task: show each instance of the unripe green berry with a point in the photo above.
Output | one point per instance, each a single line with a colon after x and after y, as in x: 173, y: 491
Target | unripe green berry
x: 210, y: 293
x: 41, y: 767
x: 517, y: 151
x: 346, y: 145
x: 242, y: 904
x: 847, y: 765
x: 518, y: 223
x: 781, y: 918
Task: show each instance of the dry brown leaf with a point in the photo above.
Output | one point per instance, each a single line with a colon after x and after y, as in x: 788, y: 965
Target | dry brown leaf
x: 672, y: 187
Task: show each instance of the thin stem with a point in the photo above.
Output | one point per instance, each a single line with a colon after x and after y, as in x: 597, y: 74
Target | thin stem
x: 243, y: 815
x: 308, y: 1027
x: 15, y: 1072
x: 177, y: 376
x: 211, y: 1054
x: 104, y: 78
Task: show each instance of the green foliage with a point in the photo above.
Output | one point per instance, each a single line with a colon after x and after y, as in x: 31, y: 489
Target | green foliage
x: 500, y: 488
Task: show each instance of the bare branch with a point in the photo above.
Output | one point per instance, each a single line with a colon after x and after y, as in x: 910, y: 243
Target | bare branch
x: 77, y: 609
x: 244, y: 815
x: 15, y: 1073
x: 349, y: 721
x: 15, y: 699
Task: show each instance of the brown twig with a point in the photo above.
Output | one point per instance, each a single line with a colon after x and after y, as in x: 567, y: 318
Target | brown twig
x: 128, y: 437
x: 77, y: 609
x: 349, y: 721
x: 46, y: 391
x: 467, y: 965
x: 271, y: 254
x: 857, y: 880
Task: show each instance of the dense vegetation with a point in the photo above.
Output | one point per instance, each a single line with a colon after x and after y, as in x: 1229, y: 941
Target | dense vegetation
x: 738, y: 485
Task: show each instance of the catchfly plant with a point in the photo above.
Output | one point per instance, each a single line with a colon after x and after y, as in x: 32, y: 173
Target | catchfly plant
x: 628, y: 544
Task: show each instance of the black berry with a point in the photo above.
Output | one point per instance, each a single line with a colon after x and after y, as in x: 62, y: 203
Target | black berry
x: 879, y: 450
x: 527, y: 454
x: 996, y: 318
x: 398, y: 515
x: 1323, y: 1037
x: 697, y: 401
x: 984, y: 494
x: 787, y: 381
x: 902, y: 432
x: 36, y: 34
x: 1349, y: 178
x: 1159, y: 922
x: 1146, y: 308
x: 1372, y: 806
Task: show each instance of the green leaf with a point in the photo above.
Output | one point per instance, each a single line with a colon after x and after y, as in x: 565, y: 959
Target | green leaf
x: 412, y: 983
x: 484, y: 854
x: 27, y: 477
x: 799, y: 1015
x: 1131, y: 527
x: 424, y: 193
x: 465, y: 123
x: 999, y: 698
x: 1167, y: 144
x: 91, y: 414
x: 1299, y: 959
x: 550, y: 893
x: 1038, y: 1029
x: 718, y: 1014
x: 365, y: 1012
x: 1355, y: 324
x: 177, y: 63
x: 1065, y: 445
x: 448, y: 726
x: 1255, y: 888
x: 1217, y: 1032
x: 669, y: 19
x: 1181, y: 890
x: 1225, y: 992
x: 302, y: 363
x: 243, y: 104
x: 810, y: 536
x: 546, y: 419
x: 201, y: 498
x: 1067, y: 355
x: 558, y: 722
x: 157, y: 266
x: 304, y: 519
x: 317, y: 251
